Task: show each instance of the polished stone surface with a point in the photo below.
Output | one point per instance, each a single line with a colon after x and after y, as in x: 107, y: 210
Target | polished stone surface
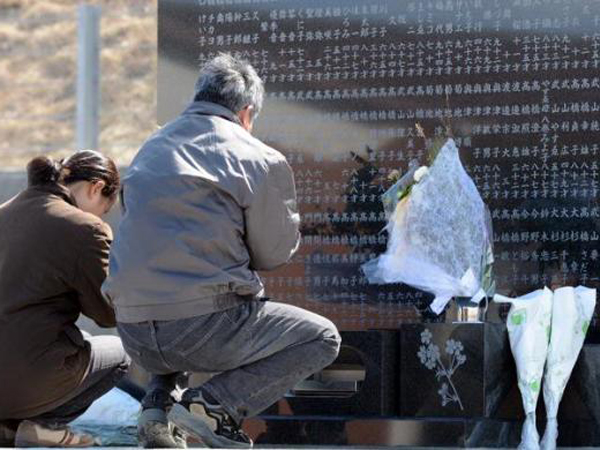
x: 442, y: 370
x: 311, y: 430
x: 480, y: 406
x: 368, y: 361
x: 346, y: 82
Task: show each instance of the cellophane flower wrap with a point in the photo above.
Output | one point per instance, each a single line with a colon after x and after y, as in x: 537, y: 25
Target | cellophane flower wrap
x: 440, y: 238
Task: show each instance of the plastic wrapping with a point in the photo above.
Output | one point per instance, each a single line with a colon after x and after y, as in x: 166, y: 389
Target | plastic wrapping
x: 572, y: 311
x: 529, y: 323
x: 112, y: 419
x: 546, y: 332
x: 439, y: 235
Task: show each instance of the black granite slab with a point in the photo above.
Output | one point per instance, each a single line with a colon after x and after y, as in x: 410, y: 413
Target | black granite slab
x: 429, y: 432
x: 483, y: 378
x: 347, y: 81
x: 472, y: 375
x: 311, y: 430
x: 376, y: 353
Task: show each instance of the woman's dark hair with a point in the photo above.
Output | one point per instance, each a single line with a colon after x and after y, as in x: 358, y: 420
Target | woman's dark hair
x: 85, y: 165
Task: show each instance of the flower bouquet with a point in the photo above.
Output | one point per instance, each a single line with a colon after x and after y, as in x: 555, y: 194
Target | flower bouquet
x: 546, y: 331
x: 440, y: 236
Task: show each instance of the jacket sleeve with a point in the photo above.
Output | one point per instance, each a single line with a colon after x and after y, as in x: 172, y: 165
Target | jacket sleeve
x: 92, y: 269
x: 272, y: 220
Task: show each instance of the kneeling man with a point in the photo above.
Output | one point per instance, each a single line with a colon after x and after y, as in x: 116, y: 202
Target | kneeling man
x: 206, y: 205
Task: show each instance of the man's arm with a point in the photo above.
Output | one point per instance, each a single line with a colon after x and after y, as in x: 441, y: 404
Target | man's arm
x: 92, y: 269
x: 272, y: 220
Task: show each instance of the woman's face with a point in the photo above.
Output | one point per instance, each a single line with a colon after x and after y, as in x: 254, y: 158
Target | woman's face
x: 89, y: 198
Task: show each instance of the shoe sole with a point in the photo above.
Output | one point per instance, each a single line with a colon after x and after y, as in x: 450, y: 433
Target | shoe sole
x: 29, y: 444
x: 196, y: 427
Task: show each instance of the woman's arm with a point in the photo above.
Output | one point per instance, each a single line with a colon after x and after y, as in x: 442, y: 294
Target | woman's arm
x: 92, y: 269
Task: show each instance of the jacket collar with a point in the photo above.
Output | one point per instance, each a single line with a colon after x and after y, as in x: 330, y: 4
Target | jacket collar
x: 56, y: 189
x: 212, y: 109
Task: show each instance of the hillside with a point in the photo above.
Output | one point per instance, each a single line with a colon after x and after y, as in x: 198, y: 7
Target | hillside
x: 38, y: 48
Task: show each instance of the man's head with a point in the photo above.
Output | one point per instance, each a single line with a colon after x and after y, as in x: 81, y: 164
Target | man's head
x: 232, y: 83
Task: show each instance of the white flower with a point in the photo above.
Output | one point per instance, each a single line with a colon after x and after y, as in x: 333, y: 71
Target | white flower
x: 420, y: 173
x: 432, y: 355
x: 443, y: 391
x: 422, y: 354
x: 453, y: 346
x: 426, y: 336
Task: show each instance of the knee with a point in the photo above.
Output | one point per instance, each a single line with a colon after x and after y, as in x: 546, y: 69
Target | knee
x: 120, y: 371
x: 331, y: 342
x: 124, y: 360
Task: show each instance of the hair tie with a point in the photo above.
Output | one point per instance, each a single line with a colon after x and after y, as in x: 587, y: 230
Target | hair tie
x: 63, y: 172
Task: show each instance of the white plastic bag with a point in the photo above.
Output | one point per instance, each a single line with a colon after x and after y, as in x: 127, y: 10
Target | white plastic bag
x: 439, y: 235
x: 112, y: 419
x: 529, y: 322
x: 572, y: 310
x: 546, y: 332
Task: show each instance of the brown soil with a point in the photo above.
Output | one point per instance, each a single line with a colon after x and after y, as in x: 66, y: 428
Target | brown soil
x: 38, y: 48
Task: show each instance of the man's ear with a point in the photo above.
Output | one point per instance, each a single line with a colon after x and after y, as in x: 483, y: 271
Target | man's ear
x: 245, y: 116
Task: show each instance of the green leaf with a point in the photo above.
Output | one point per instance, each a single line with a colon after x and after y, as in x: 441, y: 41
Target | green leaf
x: 488, y: 284
x: 404, y: 193
x: 585, y: 326
x: 518, y: 317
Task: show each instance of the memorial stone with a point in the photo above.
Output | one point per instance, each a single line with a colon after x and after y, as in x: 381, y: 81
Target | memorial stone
x: 347, y: 81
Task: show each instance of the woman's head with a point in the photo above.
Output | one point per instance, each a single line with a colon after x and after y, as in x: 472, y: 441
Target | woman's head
x: 92, y: 178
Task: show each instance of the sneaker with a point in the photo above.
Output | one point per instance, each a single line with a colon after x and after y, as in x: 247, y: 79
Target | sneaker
x: 31, y: 434
x: 208, y: 422
x: 157, y: 399
x: 154, y: 431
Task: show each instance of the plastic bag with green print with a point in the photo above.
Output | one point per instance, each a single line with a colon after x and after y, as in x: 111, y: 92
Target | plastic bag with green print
x: 572, y: 310
x: 528, y: 324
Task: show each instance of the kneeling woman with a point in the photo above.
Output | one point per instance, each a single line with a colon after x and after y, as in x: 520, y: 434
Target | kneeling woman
x: 53, y: 259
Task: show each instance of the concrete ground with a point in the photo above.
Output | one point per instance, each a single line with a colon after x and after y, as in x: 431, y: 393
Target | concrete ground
x: 353, y: 448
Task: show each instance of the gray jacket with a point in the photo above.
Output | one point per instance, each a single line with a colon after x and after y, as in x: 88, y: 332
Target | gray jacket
x: 205, y: 206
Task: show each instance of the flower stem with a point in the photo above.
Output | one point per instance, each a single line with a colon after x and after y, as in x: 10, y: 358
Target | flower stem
x: 449, y: 378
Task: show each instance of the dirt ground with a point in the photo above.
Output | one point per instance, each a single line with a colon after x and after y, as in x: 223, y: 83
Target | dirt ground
x: 38, y: 49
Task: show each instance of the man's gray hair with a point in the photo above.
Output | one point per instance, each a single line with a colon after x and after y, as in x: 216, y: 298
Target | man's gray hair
x: 231, y: 82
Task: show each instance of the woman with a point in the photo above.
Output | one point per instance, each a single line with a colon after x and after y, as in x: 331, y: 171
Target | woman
x: 53, y: 259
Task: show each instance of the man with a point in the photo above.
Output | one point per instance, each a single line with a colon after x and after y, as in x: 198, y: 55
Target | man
x: 205, y: 206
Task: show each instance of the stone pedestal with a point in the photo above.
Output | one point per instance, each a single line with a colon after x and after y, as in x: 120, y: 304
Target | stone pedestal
x: 456, y: 386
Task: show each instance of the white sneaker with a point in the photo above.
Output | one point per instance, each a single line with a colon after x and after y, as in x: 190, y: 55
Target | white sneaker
x: 154, y: 431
